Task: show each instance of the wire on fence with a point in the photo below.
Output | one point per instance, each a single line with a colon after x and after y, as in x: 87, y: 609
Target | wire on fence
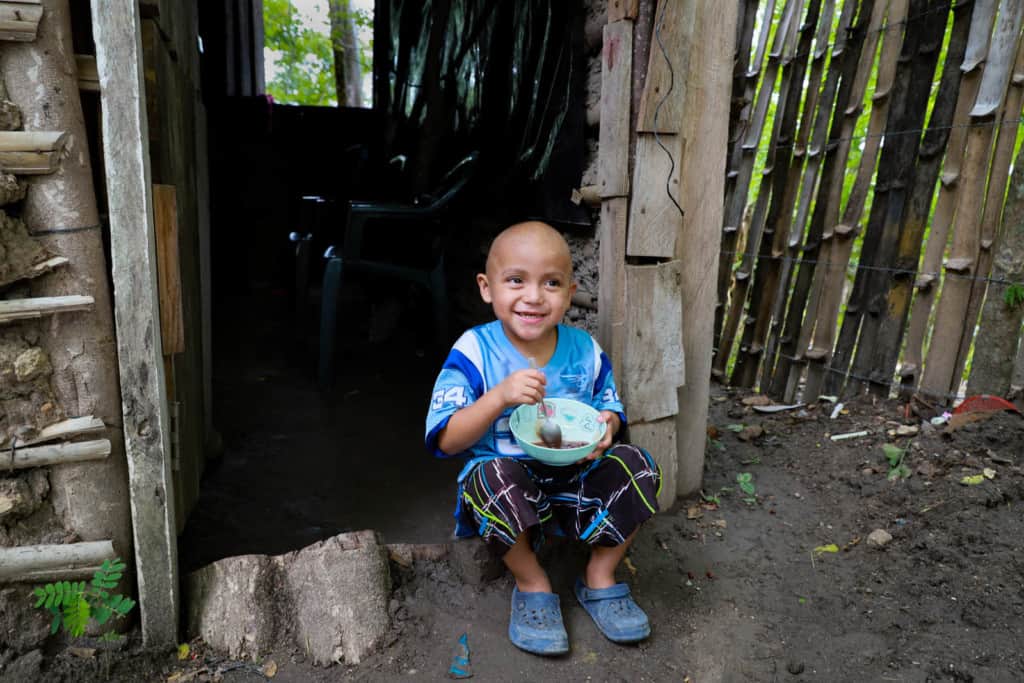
x: 854, y: 265
x: 828, y: 47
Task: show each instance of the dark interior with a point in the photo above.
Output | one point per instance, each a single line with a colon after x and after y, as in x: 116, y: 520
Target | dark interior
x: 306, y: 454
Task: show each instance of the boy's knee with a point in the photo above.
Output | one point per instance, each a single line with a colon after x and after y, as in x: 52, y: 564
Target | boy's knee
x: 636, y: 459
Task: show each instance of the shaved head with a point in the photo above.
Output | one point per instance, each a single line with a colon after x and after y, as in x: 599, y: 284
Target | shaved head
x: 536, y: 234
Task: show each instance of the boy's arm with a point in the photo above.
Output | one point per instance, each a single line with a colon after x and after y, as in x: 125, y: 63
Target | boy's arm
x: 467, y: 425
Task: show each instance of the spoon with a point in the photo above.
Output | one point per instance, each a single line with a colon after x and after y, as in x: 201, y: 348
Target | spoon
x: 548, y: 430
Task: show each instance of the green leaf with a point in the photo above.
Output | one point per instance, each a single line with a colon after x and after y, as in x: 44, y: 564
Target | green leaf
x: 56, y: 623
x: 830, y: 548
x: 51, y: 595
x: 735, y: 427
x: 893, y: 454
x: 76, y: 616
x: 41, y: 594
x: 101, y: 614
x: 125, y: 606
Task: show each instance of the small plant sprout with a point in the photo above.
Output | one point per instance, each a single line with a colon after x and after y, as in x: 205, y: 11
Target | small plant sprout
x: 1013, y: 297
x: 73, y: 604
x: 745, y: 480
x: 712, y: 499
x: 897, y: 468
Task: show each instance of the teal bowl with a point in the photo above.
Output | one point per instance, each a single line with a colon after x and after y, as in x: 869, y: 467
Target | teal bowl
x: 579, y: 426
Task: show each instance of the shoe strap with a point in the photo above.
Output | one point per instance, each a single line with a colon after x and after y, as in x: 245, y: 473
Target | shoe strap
x: 619, y: 590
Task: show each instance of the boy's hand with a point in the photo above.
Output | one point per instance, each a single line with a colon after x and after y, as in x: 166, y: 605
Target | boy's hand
x: 522, y: 386
x: 612, y: 419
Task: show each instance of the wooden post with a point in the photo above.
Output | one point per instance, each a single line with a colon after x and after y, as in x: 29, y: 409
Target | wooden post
x: 117, y: 32
x: 705, y: 127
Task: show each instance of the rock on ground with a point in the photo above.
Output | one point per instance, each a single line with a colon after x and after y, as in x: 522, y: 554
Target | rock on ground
x: 329, y: 599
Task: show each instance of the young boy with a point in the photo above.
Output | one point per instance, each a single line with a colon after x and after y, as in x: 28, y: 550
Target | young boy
x: 507, y: 497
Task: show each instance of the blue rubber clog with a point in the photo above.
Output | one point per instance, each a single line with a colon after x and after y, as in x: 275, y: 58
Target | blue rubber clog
x: 617, y: 616
x: 536, y: 623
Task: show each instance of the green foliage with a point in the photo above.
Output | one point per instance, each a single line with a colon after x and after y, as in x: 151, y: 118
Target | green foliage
x: 304, y: 55
x: 897, y: 468
x: 74, y: 603
x: 1014, y: 296
x: 745, y: 480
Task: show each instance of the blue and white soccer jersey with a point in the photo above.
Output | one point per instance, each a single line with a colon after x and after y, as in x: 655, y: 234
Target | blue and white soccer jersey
x: 483, y: 357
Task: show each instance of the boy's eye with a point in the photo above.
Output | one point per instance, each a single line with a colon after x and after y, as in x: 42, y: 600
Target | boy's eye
x: 515, y: 280
x: 554, y: 283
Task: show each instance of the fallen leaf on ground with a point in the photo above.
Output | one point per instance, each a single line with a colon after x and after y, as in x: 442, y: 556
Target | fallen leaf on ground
x: 973, y: 479
x: 694, y: 512
x: 630, y: 566
x: 720, y: 523
x: 750, y: 433
x: 989, y: 473
x: 269, y: 669
x: 961, y: 419
x: 830, y: 548
x: 853, y: 541
x: 758, y: 400
x: 735, y: 427
x: 183, y: 651
x: 83, y: 652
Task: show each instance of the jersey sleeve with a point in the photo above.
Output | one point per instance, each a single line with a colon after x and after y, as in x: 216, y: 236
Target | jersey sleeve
x: 606, y: 394
x: 458, y: 385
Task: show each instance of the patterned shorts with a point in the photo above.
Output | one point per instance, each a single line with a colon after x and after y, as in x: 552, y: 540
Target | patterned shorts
x: 600, y: 502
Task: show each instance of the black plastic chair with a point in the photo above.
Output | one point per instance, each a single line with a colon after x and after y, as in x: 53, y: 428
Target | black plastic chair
x: 426, y: 220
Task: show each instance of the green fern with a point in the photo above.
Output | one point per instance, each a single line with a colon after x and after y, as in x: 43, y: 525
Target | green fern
x: 73, y: 604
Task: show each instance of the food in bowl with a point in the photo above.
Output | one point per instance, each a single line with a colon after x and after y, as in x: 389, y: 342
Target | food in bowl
x: 581, y: 430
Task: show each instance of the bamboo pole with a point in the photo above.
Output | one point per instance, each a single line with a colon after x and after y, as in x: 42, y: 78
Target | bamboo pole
x: 838, y: 237
x: 939, y: 376
x: 926, y: 284
x: 833, y: 99
x: 58, y: 454
x: 64, y: 429
x: 751, y: 142
x: 792, y: 191
x: 886, y: 180
x: 37, y: 307
x: 53, y: 562
x: 919, y: 201
x: 993, y: 366
x: 876, y: 356
x: 994, y: 195
x: 19, y: 20
x: 775, y: 232
x: 738, y: 181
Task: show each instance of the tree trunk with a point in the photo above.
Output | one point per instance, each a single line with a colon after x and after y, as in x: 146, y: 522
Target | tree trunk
x: 60, y: 210
x: 347, y: 71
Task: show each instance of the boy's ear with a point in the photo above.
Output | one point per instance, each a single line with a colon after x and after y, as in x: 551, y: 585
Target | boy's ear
x: 485, y: 287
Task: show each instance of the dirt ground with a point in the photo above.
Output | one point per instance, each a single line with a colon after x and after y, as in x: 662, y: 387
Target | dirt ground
x: 739, y: 587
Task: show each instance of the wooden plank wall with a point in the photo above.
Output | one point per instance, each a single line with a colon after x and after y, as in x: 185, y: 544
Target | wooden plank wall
x: 173, y: 105
x: 658, y: 233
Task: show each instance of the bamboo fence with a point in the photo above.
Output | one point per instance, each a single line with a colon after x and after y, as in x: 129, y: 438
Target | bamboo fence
x: 870, y: 225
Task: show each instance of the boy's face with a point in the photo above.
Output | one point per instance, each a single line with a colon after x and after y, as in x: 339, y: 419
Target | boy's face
x: 529, y: 285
